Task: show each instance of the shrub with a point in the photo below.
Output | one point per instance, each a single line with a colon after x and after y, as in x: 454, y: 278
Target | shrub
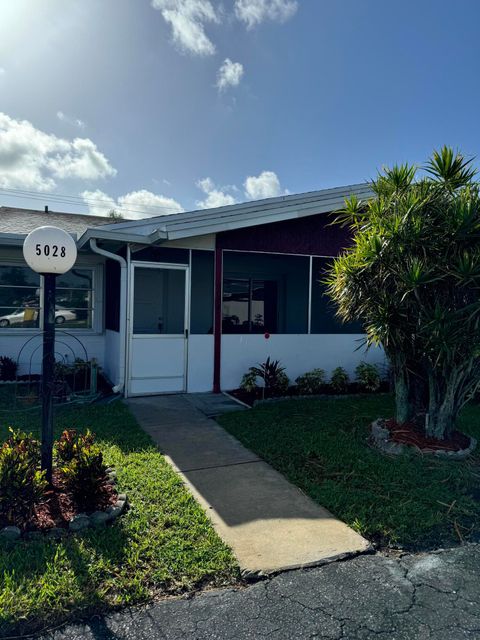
x: 83, y: 469
x: 311, y: 382
x: 70, y: 444
x: 367, y: 376
x: 22, y: 484
x: 339, y: 380
x: 8, y: 368
x: 281, y: 385
x: 273, y: 375
x: 249, y: 381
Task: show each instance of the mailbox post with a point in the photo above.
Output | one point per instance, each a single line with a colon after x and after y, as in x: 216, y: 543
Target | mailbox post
x: 49, y: 251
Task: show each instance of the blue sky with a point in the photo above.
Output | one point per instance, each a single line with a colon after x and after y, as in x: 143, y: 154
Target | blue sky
x: 119, y: 103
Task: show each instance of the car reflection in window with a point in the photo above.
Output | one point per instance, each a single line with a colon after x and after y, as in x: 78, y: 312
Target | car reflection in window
x: 28, y: 317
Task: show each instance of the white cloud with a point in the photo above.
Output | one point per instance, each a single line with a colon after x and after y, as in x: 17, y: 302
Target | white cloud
x: 215, y: 196
x: 134, y: 205
x: 75, y: 122
x: 33, y: 159
x: 229, y: 74
x: 2, y: 71
x: 187, y: 19
x: 254, y: 12
x: 265, y: 185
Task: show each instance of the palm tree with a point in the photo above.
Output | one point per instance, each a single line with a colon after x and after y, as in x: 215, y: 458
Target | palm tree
x: 412, y: 276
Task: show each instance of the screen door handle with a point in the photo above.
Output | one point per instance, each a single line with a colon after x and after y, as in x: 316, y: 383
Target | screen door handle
x: 186, y: 334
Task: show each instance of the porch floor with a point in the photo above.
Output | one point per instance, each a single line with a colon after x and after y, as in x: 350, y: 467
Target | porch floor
x: 270, y: 524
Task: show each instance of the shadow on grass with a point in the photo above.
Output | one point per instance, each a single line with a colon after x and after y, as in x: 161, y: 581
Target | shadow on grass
x: 33, y: 561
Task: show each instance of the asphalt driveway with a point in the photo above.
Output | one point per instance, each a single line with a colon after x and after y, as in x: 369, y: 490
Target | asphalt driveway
x: 409, y: 597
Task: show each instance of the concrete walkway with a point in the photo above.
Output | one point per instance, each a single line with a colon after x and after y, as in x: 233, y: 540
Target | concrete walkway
x: 270, y: 524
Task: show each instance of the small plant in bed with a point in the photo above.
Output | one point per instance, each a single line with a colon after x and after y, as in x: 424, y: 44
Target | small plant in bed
x: 339, y: 380
x: 80, y: 482
x: 311, y: 383
x: 273, y: 382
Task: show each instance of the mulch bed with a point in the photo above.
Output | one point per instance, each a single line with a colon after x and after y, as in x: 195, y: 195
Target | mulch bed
x: 326, y: 389
x: 412, y: 435
x: 58, y: 506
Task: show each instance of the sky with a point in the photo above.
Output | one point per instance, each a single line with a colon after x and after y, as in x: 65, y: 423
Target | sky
x: 149, y: 107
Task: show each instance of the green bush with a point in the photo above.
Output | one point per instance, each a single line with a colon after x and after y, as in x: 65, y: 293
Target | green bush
x: 249, y: 381
x: 367, y: 376
x: 339, y: 380
x: 83, y: 468
x: 281, y: 385
x: 8, y: 368
x: 22, y: 484
x: 311, y: 383
x: 70, y: 444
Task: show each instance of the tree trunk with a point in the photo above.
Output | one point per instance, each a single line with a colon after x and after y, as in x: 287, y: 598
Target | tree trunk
x: 442, y: 408
x: 402, y: 399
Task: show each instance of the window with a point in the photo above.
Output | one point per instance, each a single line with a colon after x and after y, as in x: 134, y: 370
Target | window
x: 159, y: 301
x: 19, y: 297
x: 249, y: 305
x: 265, y: 293
x: 74, y: 299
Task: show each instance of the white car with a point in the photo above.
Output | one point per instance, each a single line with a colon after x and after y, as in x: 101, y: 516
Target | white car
x: 18, y: 317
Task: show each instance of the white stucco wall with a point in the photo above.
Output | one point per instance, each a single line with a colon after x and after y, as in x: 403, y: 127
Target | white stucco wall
x: 112, y: 353
x: 200, y: 363
x: 27, y: 348
x: 298, y: 353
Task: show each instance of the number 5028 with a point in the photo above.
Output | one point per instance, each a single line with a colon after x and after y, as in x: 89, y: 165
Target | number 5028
x: 48, y: 250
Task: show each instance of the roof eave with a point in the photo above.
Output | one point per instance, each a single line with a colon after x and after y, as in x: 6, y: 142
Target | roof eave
x: 119, y: 236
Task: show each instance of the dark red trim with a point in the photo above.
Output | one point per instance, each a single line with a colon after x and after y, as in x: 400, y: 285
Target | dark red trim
x: 217, y: 320
x: 313, y: 235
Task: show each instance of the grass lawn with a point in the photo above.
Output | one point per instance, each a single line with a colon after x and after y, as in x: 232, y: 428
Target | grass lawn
x: 321, y: 446
x: 164, y: 544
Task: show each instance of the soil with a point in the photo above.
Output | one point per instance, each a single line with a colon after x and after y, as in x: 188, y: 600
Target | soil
x: 58, y: 506
x: 353, y: 388
x: 412, y: 435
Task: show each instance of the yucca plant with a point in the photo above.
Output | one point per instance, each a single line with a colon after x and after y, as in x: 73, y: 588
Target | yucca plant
x: 273, y: 375
x: 412, y: 275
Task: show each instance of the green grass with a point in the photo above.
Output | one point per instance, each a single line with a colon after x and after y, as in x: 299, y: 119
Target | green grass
x: 321, y: 446
x: 164, y: 544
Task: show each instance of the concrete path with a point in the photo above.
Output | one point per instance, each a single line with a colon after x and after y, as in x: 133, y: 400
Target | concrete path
x: 415, y: 597
x: 270, y: 524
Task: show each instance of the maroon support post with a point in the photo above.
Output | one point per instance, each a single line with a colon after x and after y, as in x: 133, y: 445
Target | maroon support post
x: 217, y: 320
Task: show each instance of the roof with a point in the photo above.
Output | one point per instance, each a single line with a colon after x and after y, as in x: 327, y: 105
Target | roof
x: 236, y: 216
x: 17, y: 223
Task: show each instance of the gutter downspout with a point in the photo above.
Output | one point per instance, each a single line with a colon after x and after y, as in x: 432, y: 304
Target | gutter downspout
x: 121, y: 386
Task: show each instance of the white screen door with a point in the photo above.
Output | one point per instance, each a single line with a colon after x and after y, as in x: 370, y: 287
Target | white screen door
x: 158, y: 342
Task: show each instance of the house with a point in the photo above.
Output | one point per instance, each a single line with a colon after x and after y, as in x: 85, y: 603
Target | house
x: 186, y: 302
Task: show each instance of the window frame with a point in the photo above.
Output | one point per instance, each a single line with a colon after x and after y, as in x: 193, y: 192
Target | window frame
x: 251, y: 279
x: 97, y: 299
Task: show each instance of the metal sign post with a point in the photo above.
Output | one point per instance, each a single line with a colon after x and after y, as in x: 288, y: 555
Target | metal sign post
x: 48, y: 371
x: 49, y: 251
